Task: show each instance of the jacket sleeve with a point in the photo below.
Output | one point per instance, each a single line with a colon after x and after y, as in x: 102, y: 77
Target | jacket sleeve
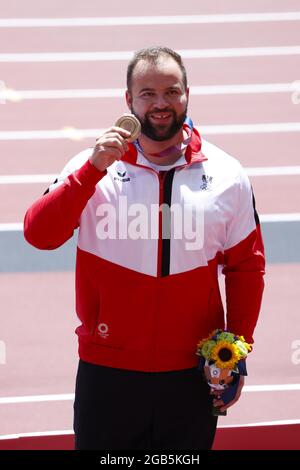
x: 52, y: 219
x: 244, y: 263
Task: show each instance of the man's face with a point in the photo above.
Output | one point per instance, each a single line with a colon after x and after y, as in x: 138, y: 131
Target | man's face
x: 158, y: 98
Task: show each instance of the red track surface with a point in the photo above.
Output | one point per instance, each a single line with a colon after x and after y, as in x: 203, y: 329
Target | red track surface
x: 284, y: 437
x: 38, y: 318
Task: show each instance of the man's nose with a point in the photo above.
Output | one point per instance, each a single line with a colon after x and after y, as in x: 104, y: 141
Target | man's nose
x: 161, y: 101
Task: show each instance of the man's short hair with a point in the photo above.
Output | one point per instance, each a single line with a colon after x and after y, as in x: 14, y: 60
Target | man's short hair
x: 151, y: 55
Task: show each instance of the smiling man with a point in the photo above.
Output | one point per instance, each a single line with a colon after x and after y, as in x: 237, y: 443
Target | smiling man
x: 147, y: 292
x: 158, y: 95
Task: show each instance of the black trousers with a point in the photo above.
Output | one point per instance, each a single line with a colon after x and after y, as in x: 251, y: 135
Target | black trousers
x: 120, y: 409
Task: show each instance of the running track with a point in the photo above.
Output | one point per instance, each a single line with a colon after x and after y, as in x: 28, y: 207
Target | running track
x: 64, y: 82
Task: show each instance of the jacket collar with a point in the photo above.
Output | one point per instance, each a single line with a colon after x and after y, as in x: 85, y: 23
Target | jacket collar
x: 193, y: 151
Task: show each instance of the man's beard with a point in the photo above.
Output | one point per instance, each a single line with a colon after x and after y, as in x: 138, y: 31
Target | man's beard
x: 155, y: 132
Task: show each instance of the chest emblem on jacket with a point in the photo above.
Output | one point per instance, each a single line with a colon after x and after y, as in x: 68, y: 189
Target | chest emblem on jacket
x: 206, y: 182
x: 122, y: 177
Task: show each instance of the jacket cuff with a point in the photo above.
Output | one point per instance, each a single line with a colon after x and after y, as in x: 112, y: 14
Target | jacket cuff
x: 88, y: 174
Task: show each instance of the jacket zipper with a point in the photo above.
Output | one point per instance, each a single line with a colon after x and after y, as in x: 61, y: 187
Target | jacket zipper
x: 161, y: 177
x: 164, y: 244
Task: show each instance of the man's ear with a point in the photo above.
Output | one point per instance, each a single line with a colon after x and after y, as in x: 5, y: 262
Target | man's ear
x: 128, y: 99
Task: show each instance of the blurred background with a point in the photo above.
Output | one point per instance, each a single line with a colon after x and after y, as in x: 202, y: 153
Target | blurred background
x: 62, y: 80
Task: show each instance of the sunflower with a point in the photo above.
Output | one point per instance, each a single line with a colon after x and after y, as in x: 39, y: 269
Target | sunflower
x: 226, y: 355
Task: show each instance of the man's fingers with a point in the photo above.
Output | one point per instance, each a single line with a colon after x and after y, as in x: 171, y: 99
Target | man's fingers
x: 218, y: 403
x: 216, y: 392
x: 112, y: 140
x: 123, y: 133
x: 111, y: 137
x: 231, y: 403
x: 109, y: 147
x: 114, y: 152
x: 223, y: 405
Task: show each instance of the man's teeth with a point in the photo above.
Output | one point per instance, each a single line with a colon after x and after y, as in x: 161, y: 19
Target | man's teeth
x: 161, y: 116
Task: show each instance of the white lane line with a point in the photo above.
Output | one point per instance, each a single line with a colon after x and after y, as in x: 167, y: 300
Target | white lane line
x: 288, y: 217
x: 37, y: 398
x: 70, y: 133
x: 271, y: 388
x: 70, y: 396
x: 19, y: 95
x: 26, y: 179
x: 11, y: 227
x: 251, y: 171
x: 270, y: 171
x: 127, y: 55
x: 37, y: 434
x: 247, y: 88
x: 281, y: 422
x: 260, y: 128
x: 149, y: 20
x: 222, y: 129
x: 265, y: 218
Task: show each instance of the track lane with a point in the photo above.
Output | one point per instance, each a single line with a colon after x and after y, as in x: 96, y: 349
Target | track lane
x: 98, y: 38
x: 103, y: 112
x: 50, y: 156
x: 55, y: 416
x: 35, y: 76
x: 34, y: 8
x: 40, y: 341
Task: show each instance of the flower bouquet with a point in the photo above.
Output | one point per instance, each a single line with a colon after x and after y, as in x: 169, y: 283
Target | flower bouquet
x: 222, y: 359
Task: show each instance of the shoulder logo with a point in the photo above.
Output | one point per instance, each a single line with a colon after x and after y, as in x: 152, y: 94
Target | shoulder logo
x: 206, y: 182
x: 122, y: 176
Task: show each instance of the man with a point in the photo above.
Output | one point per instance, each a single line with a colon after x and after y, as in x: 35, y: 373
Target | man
x: 156, y: 218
